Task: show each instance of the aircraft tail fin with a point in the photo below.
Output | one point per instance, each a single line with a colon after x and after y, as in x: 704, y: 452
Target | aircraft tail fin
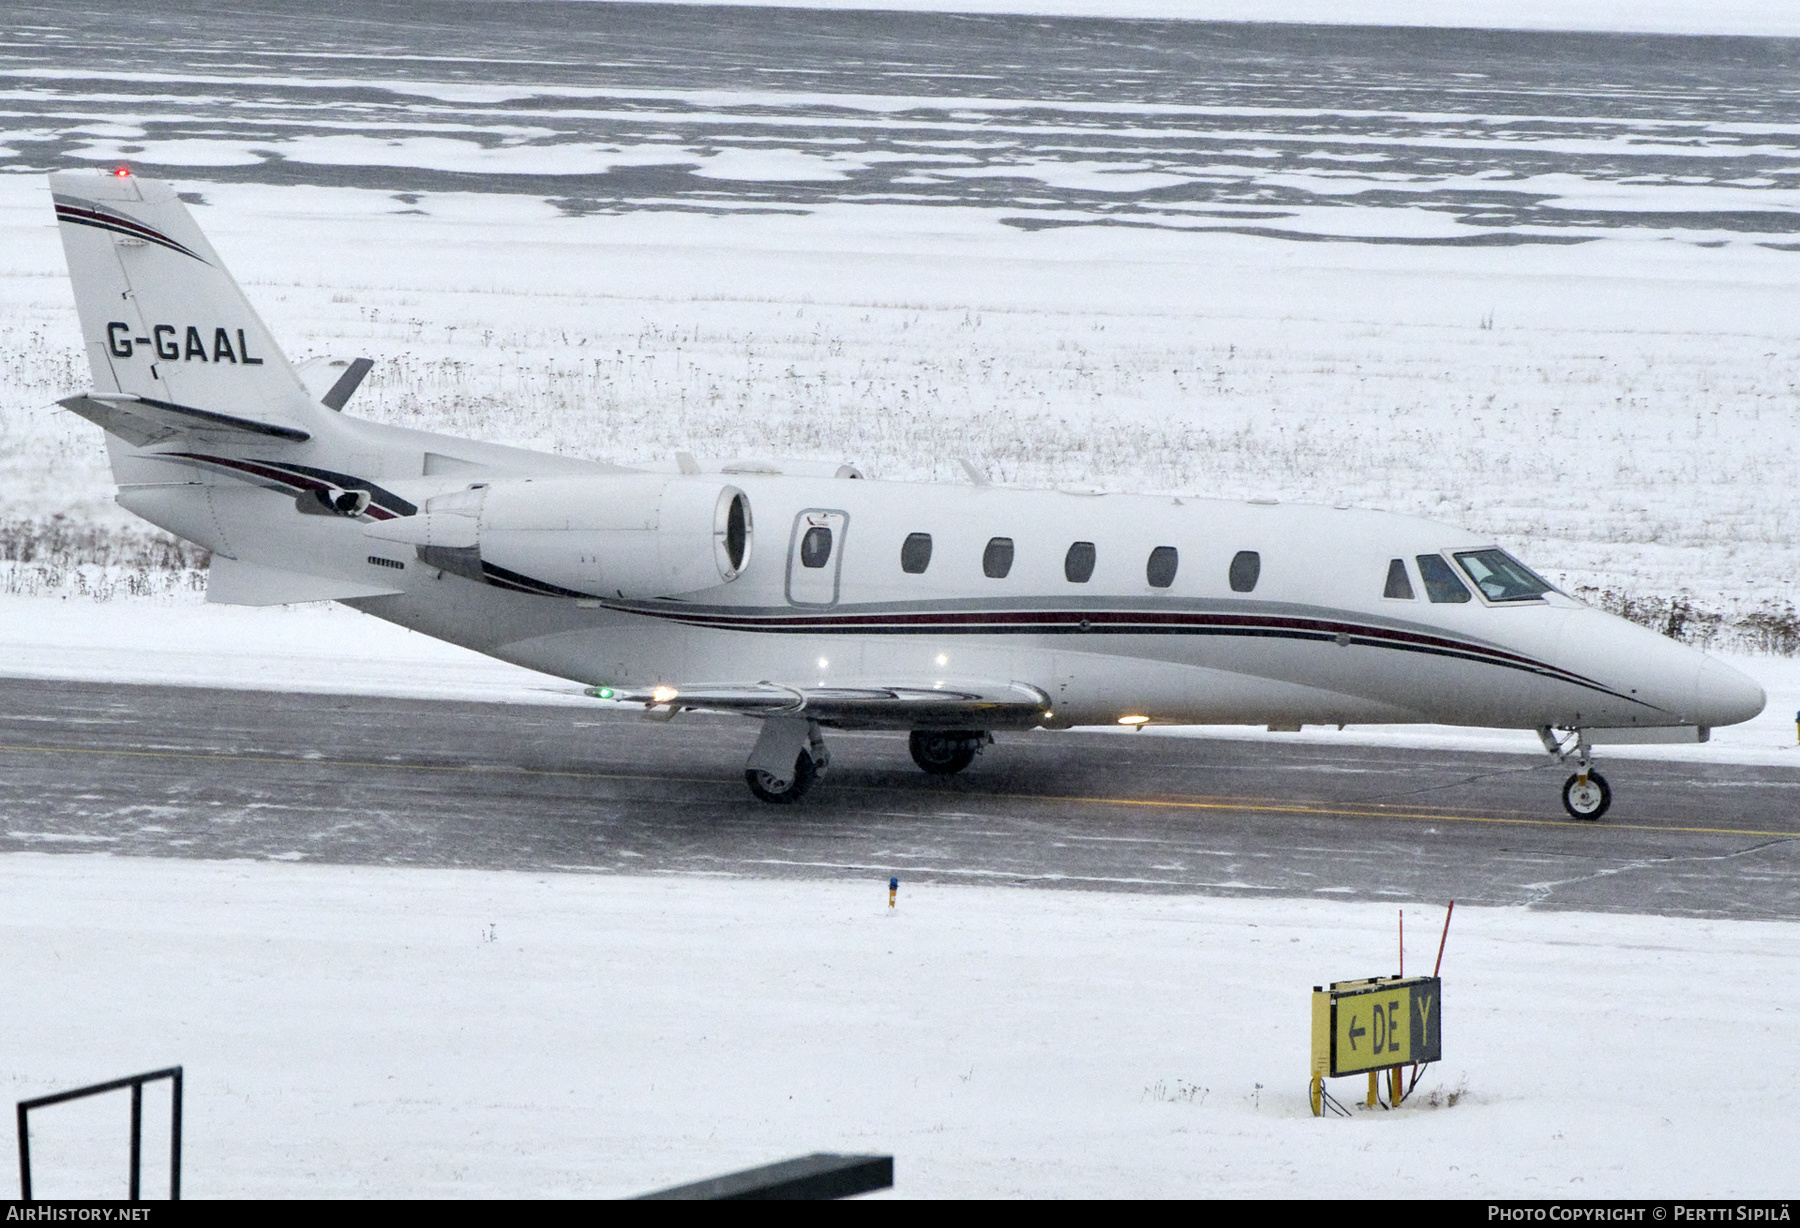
x: 168, y: 332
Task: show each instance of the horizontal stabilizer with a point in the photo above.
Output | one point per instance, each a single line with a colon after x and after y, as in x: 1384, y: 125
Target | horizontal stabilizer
x: 905, y: 706
x: 142, y: 420
x: 229, y: 582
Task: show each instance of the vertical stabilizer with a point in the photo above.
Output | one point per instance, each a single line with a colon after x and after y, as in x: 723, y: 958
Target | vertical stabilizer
x: 161, y: 318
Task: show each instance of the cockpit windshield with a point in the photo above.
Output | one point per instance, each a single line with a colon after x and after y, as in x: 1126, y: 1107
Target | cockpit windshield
x: 1501, y: 577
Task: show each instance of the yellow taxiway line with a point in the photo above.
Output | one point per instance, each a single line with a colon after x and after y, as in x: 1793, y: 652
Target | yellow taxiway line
x: 1240, y: 805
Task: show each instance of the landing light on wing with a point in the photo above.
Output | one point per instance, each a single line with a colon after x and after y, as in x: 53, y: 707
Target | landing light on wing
x: 1134, y: 720
x: 663, y: 695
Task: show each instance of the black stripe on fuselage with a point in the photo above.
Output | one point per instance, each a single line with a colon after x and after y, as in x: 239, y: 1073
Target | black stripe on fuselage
x: 83, y: 216
x: 500, y: 577
x: 1122, y: 622
x: 383, y: 504
x: 384, y: 499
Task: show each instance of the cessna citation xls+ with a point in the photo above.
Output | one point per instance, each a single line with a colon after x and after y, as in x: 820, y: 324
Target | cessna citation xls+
x: 808, y: 598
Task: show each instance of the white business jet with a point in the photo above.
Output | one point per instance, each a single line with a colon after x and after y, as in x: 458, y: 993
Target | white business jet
x: 809, y: 598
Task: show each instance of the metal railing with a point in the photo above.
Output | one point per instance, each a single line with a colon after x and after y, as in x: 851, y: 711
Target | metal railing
x: 136, y: 1084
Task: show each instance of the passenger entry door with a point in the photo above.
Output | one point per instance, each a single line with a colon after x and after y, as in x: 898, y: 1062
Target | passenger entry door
x: 815, y: 554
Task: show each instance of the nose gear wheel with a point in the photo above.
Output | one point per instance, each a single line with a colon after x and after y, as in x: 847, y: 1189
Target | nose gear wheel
x: 1586, y: 795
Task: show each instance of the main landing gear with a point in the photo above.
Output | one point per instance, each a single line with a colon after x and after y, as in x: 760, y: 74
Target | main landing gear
x: 1585, y: 795
x: 789, y: 756
x: 945, y: 752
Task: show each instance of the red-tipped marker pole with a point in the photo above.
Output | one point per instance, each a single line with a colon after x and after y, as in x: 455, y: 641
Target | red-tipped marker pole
x: 1445, y: 938
x: 1437, y: 968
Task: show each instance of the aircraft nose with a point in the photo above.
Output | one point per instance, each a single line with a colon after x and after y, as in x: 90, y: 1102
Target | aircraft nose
x: 1723, y: 696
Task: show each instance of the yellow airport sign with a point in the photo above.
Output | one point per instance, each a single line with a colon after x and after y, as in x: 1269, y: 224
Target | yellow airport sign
x: 1376, y: 1024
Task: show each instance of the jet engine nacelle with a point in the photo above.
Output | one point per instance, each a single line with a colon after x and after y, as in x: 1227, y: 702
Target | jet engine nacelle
x: 625, y: 536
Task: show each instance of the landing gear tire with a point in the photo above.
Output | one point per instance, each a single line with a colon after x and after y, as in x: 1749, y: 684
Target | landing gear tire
x: 1586, y: 800
x: 945, y: 752
x: 767, y: 789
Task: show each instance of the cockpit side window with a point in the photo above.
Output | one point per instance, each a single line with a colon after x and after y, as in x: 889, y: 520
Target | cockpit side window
x: 1501, y: 577
x: 1399, y: 584
x: 1441, y: 584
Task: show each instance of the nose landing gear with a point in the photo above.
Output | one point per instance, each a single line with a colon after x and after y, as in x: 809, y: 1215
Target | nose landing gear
x: 1585, y: 795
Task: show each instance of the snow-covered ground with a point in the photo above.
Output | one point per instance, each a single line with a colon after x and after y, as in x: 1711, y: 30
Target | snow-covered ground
x: 1764, y: 18
x: 376, y: 1032
x: 321, y: 648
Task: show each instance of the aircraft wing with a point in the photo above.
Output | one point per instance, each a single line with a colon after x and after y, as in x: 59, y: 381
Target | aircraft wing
x: 957, y: 703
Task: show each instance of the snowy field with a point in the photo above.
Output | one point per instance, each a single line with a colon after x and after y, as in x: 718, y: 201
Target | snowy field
x: 1765, y: 18
x: 372, y: 1032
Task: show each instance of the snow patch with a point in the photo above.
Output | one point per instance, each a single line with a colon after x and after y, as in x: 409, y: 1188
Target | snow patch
x: 373, y: 1032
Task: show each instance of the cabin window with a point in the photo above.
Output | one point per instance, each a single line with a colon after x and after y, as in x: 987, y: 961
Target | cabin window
x: 996, y: 560
x: 1441, y: 584
x: 1501, y: 577
x: 1078, y: 563
x: 1399, y: 584
x: 1160, y: 570
x: 815, y: 547
x: 915, y: 553
x: 1246, y: 569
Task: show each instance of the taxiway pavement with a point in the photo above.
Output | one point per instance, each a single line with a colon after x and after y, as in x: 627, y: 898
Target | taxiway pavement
x: 190, y: 772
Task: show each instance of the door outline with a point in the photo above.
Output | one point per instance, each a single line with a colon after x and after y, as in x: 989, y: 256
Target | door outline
x: 838, y: 521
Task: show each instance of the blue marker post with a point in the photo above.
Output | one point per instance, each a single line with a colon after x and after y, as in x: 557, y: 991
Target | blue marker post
x: 893, y: 889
